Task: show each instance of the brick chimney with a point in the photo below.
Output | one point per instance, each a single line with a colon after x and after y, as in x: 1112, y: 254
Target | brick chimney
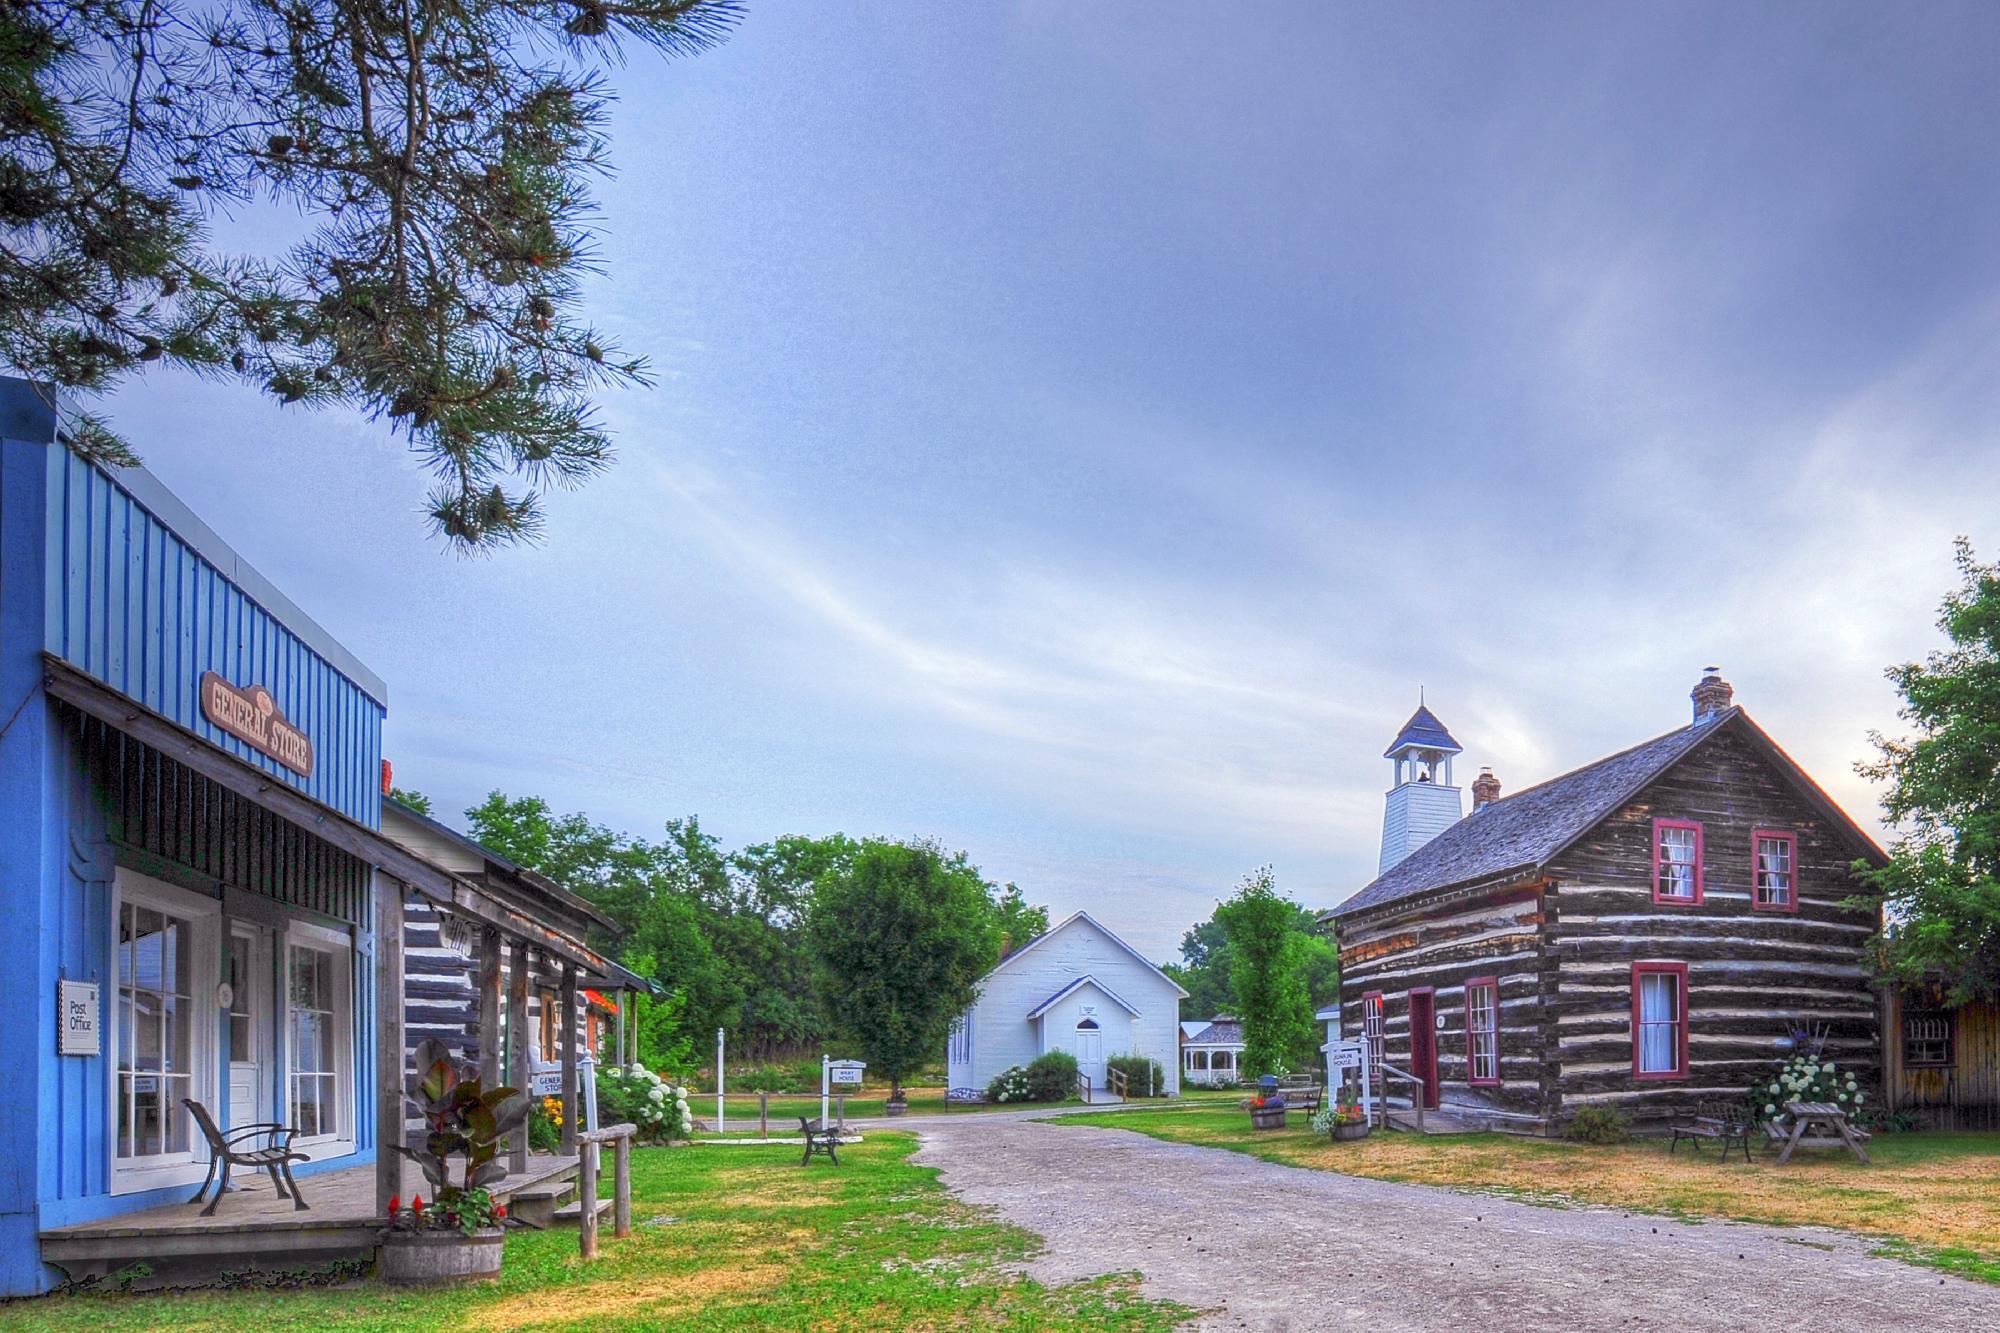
x: 1485, y: 789
x: 1711, y: 694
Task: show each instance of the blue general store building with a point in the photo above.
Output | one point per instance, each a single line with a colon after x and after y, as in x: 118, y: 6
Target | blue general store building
x: 201, y: 901
x: 189, y: 784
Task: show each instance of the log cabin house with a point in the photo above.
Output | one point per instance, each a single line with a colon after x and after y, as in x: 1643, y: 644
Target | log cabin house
x: 1941, y: 1062
x: 1641, y: 933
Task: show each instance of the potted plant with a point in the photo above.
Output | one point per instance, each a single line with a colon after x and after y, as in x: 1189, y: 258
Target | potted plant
x: 459, y: 1234
x: 1343, y: 1120
x: 1267, y: 1108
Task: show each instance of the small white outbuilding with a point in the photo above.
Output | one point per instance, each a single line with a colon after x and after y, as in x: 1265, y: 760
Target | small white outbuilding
x: 1077, y: 988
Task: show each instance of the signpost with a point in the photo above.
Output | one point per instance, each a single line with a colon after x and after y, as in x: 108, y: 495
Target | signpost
x: 718, y: 1082
x: 846, y: 1073
x: 1348, y: 1053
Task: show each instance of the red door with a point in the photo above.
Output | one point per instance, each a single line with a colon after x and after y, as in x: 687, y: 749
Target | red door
x: 1424, y: 1043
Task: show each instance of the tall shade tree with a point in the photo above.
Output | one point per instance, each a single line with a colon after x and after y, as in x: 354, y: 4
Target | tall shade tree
x: 900, y: 937
x: 1941, y: 887
x: 1267, y: 971
x: 441, y: 156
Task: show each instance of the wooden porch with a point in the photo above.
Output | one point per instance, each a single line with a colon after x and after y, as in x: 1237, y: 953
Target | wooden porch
x: 255, y: 1229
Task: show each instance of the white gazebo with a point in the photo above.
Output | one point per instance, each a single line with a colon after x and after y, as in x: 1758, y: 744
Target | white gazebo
x: 1214, y: 1053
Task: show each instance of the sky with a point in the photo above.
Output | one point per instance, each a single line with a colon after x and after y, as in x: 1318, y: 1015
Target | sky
x: 1081, y: 430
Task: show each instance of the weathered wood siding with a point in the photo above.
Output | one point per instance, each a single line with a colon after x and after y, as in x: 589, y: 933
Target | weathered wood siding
x: 1751, y: 974
x: 1963, y: 1095
x: 1497, y: 933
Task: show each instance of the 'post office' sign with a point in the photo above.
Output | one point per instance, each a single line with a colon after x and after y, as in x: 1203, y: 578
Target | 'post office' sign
x: 79, y: 1030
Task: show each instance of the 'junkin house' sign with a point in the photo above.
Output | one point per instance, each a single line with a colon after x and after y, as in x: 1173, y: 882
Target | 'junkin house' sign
x: 251, y: 716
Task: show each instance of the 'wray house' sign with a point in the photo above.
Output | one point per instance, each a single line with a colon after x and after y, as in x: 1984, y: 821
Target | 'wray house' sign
x: 252, y: 716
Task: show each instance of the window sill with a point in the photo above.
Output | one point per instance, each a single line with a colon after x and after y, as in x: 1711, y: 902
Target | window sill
x: 139, y: 1179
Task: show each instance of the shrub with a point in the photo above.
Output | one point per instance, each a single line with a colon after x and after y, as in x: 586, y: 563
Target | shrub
x: 1597, y: 1124
x: 545, y: 1124
x: 1010, y: 1085
x: 1051, y: 1077
x: 1141, y: 1073
x: 636, y: 1095
x: 1806, y: 1078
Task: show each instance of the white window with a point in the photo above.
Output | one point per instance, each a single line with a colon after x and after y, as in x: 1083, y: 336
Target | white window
x: 1482, y: 1029
x: 1775, y: 863
x: 163, y: 1051
x: 319, y: 1036
x: 1659, y: 1020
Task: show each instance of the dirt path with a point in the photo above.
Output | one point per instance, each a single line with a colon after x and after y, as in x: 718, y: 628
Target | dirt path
x: 1277, y: 1247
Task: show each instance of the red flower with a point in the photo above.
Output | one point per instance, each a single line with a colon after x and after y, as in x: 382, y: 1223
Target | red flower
x: 395, y: 1205
x: 417, y: 1204
x: 501, y: 1211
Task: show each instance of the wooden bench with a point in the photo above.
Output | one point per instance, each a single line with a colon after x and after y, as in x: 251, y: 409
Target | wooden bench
x: 1301, y: 1094
x: 1721, y: 1122
x: 819, y: 1140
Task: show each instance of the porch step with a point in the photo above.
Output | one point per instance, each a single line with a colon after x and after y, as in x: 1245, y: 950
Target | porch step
x: 1437, y: 1122
x: 537, y: 1205
x: 571, y: 1214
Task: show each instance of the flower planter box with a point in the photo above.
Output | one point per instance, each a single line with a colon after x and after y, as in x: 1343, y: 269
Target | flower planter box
x: 427, y: 1258
x: 1347, y: 1133
x: 894, y: 1108
x: 1267, y: 1117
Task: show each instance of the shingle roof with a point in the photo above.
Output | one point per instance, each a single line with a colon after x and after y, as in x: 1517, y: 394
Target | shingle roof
x: 1224, y: 1032
x: 1521, y: 831
x: 1423, y: 729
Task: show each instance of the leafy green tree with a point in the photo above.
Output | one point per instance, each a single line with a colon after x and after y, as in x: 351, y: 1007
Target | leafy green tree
x: 1205, y: 969
x: 1020, y: 921
x: 1941, y: 887
x: 441, y: 156
x: 416, y: 800
x: 900, y: 936
x: 1267, y: 972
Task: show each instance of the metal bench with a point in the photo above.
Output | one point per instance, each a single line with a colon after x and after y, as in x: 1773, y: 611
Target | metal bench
x: 226, y: 1149
x: 819, y: 1140
x: 1722, y: 1122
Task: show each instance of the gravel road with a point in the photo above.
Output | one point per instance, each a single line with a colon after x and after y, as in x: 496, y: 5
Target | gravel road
x: 1263, y: 1246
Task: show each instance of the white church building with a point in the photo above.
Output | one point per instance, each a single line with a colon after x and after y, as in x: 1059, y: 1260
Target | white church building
x: 1078, y: 988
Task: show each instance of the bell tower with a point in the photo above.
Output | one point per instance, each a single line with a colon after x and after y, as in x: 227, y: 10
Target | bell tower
x: 1423, y: 802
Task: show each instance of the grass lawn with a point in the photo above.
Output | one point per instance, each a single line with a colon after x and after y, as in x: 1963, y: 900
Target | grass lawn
x: 742, y: 1239
x: 1933, y: 1198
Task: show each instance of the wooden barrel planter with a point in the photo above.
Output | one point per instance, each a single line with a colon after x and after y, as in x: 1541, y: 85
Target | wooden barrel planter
x: 1267, y: 1117
x: 1348, y: 1133
x: 429, y: 1258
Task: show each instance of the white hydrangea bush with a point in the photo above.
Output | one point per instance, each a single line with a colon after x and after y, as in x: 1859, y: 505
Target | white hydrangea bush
x: 659, y: 1108
x: 1010, y: 1086
x: 1808, y: 1078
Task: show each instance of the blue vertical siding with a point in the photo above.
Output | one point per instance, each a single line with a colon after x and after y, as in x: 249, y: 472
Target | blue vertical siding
x: 92, y: 574
x: 141, y: 610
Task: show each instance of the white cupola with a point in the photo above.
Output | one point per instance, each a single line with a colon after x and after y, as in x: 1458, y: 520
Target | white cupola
x: 1423, y: 802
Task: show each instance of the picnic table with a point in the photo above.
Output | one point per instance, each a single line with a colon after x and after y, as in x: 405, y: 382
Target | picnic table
x: 1829, y: 1120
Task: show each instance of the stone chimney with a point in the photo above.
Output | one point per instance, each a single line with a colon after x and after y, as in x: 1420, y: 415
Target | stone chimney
x: 1711, y: 695
x: 1485, y: 789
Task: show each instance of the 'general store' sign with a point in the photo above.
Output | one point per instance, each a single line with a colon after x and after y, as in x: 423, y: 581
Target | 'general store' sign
x: 251, y: 716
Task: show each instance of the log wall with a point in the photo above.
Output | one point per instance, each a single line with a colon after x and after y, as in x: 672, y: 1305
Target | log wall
x: 1496, y: 933
x: 1752, y: 974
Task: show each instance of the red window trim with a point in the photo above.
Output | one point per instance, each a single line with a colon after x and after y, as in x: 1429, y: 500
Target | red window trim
x: 1680, y: 972
x: 1779, y: 835
x: 1664, y: 899
x: 1470, y: 984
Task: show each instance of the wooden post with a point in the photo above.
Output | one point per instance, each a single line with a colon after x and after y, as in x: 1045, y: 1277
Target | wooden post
x: 587, y: 1180
x: 764, y: 1114
x: 572, y: 1103
x: 621, y: 1188
x: 489, y: 1007
x: 388, y: 1040
x: 517, y: 1044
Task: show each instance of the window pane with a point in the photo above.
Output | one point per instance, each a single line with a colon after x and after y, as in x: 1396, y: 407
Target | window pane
x: 239, y: 1038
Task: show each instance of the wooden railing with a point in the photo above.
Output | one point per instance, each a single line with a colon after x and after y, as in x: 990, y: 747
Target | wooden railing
x: 587, y: 1141
x: 1116, y: 1083
x: 1389, y: 1071
x: 1083, y: 1086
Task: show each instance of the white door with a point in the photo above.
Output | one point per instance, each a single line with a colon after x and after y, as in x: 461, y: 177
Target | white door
x: 1089, y: 1052
x: 247, y: 969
